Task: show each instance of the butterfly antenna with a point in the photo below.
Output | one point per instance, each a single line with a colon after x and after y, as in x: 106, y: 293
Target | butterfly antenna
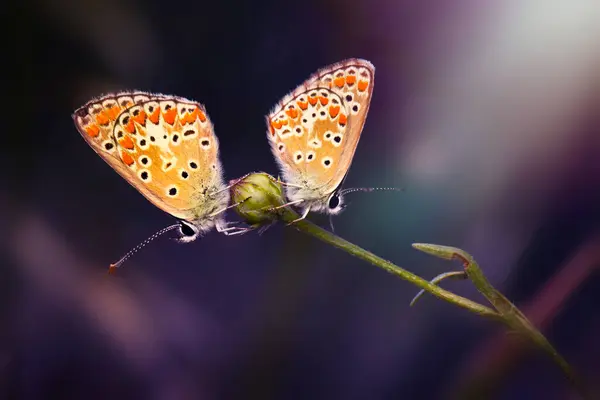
x: 351, y: 190
x: 140, y: 246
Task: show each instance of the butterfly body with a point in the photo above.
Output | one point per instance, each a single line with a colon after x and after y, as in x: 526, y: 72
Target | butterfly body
x: 314, y: 132
x: 165, y: 147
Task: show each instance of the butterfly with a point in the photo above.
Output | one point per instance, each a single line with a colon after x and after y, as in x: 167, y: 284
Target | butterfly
x: 314, y: 131
x: 165, y: 147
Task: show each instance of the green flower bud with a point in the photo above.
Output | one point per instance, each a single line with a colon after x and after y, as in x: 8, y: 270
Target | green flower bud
x: 258, y: 194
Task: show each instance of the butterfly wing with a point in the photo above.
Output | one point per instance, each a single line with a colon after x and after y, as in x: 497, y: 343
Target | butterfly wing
x: 164, y: 146
x: 306, y: 134
x: 314, y: 131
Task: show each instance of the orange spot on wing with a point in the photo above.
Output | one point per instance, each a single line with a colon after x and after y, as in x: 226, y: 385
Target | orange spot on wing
x: 130, y: 127
x: 140, y: 118
x: 187, y: 118
x: 114, y: 112
x: 343, y: 119
x: 362, y: 85
x: 93, y: 130
x: 334, y: 111
x: 323, y: 100
x: 276, y: 124
x: 271, y: 129
x: 292, y: 113
x: 302, y: 104
x: 198, y: 114
x: 312, y: 100
x: 284, y: 122
x: 339, y: 82
x: 350, y: 80
x: 102, y: 118
x: 127, y: 159
x: 154, y: 116
x: 170, y: 115
x: 127, y: 143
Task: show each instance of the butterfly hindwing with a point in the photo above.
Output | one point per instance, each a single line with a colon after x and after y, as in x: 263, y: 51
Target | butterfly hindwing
x: 353, y: 81
x: 306, y: 135
x: 171, y: 147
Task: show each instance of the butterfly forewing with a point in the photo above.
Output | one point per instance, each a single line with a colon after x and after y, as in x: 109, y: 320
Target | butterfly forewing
x: 314, y: 130
x: 162, y: 145
x: 170, y: 146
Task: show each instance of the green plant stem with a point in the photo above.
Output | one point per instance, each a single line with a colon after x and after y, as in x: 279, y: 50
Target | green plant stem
x: 261, y: 201
x: 328, y: 237
x: 513, y: 317
x: 506, y: 312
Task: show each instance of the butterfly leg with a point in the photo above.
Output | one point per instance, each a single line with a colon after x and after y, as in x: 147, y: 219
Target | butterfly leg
x: 235, y: 230
x: 304, y: 214
x: 288, y: 184
x: 228, y: 207
x: 222, y: 227
x: 232, y: 183
x: 264, y: 228
x: 291, y: 203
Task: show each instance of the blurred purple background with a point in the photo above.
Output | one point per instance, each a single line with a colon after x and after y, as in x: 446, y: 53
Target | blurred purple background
x: 485, y: 112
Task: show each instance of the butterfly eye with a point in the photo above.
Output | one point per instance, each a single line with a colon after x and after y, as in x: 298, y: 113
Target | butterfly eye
x: 334, y: 201
x: 188, y: 229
